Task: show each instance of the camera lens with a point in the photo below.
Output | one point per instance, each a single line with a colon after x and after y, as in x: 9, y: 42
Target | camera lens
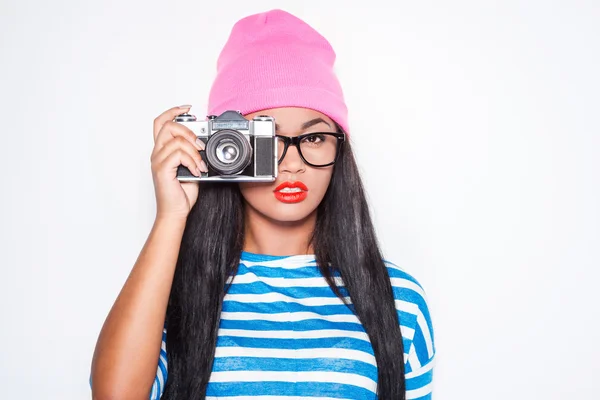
x: 228, y: 152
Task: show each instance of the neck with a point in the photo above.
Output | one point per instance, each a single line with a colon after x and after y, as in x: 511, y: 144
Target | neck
x: 263, y: 235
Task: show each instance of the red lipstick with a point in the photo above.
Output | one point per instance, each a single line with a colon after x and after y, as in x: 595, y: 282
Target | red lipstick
x: 291, y: 192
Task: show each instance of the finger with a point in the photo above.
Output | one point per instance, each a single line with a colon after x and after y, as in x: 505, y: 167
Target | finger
x: 174, y: 160
x: 175, y: 144
x: 168, y: 115
x: 179, y: 143
x: 171, y: 130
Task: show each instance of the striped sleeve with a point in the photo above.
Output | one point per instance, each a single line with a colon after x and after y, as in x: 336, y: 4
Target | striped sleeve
x: 421, y: 359
x: 158, y: 386
x: 413, y: 310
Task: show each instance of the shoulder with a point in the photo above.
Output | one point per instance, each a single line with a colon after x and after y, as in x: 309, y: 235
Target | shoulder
x: 403, y: 279
x: 406, y: 286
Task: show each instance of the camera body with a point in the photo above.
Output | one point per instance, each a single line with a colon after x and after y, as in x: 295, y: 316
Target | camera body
x: 237, y: 149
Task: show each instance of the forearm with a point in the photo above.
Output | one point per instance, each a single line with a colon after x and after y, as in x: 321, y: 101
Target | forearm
x: 127, y: 351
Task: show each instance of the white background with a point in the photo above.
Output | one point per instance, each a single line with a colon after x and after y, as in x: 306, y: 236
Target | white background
x: 476, y: 126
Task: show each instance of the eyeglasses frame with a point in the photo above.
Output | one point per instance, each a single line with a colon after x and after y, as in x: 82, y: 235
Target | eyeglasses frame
x: 295, y: 141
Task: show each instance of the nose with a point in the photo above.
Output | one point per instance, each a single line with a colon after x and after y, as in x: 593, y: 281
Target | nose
x: 292, y: 162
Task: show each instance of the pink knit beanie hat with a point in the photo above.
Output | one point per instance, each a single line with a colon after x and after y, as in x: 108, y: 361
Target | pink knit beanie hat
x: 274, y: 59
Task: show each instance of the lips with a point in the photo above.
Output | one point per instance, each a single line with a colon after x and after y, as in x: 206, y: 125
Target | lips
x: 291, y: 192
x: 292, y: 185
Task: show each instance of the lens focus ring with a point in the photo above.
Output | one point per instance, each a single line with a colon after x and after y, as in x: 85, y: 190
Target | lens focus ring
x: 228, y: 152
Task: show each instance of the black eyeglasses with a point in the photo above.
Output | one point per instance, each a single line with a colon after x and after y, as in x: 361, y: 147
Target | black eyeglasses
x: 317, y: 149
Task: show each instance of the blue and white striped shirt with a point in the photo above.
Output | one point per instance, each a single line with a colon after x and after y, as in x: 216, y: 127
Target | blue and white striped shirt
x: 285, y: 334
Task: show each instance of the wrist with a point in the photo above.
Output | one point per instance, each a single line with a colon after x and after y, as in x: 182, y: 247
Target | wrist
x: 170, y: 220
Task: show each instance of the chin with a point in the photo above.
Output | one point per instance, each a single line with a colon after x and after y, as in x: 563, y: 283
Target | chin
x: 289, y: 215
x: 281, y: 212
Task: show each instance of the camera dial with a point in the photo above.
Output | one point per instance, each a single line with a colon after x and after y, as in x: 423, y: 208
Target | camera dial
x: 185, y: 117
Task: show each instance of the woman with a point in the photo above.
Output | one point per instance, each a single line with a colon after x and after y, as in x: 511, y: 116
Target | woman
x: 266, y: 289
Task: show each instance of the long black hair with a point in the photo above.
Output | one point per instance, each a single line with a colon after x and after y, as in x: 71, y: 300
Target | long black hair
x: 344, y: 241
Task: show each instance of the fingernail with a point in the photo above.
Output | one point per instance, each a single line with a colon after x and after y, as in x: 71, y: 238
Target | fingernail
x: 185, y: 106
x: 198, y: 172
x: 200, y: 144
x: 203, y: 166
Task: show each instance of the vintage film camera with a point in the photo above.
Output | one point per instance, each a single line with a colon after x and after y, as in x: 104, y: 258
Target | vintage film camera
x: 237, y: 149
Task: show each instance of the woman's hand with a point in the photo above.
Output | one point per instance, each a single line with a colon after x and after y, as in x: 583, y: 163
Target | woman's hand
x: 174, y: 144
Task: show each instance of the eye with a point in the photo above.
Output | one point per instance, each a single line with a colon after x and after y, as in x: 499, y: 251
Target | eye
x: 314, y: 139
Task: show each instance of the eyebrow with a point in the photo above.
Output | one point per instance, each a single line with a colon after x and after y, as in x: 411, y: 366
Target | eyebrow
x: 308, y: 124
